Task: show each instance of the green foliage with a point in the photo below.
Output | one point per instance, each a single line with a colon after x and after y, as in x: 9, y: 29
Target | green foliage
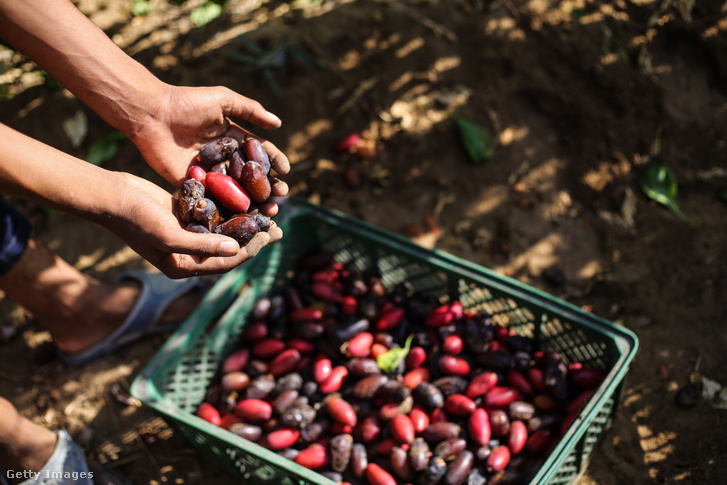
x: 659, y: 183
x: 105, y: 148
x: 390, y: 360
x: 202, y: 15
x: 140, y: 7
x: 475, y: 139
x: 206, y: 13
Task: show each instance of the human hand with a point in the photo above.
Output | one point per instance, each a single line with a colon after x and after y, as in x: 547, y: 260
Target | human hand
x: 187, y: 118
x: 144, y: 218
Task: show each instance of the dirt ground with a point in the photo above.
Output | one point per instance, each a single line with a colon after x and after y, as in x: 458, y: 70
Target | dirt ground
x: 580, y: 96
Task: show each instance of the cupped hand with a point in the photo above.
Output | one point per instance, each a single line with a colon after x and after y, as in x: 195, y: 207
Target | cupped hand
x: 144, y: 218
x: 187, y: 118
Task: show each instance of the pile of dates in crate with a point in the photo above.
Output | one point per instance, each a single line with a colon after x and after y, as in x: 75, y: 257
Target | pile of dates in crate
x: 223, y: 188
x: 372, y: 385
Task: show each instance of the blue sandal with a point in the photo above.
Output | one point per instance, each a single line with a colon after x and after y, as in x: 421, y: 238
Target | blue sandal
x: 157, y: 292
x: 66, y: 466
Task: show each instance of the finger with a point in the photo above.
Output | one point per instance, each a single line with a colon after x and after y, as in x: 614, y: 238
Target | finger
x: 278, y: 187
x: 247, y: 109
x: 269, y: 209
x: 255, y: 244
x: 203, y: 245
x: 278, y: 160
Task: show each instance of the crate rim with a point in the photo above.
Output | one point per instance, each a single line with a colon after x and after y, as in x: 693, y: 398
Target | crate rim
x: 625, y: 340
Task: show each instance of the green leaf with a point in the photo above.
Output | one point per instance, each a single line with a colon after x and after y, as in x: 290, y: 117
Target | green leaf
x: 660, y: 184
x: 389, y: 361
x: 475, y: 140
x: 140, y: 7
x: 205, y: 13
x: 104, y: 149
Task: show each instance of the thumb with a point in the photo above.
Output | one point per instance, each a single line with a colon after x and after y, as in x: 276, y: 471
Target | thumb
x: 205, y: 245
x: 238, y: 106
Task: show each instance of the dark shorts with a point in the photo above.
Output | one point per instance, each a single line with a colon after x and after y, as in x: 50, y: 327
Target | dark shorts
x: 15, y: 231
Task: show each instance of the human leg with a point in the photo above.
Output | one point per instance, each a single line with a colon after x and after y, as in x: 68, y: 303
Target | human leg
x: 77, y: 310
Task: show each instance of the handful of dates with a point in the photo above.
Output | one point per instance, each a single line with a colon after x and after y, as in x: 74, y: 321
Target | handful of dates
x: 369, y: 385
x: 224, y: 189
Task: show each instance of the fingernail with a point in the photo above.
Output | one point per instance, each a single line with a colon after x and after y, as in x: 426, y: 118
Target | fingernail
x: 274, y: 118
x: 228, y: 248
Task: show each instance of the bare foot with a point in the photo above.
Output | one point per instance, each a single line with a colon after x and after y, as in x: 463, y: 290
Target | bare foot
x: 77, y: 310
x: 103, y: 307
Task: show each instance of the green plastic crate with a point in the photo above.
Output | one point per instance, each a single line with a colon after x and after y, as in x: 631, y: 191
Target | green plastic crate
x: 176, y: 379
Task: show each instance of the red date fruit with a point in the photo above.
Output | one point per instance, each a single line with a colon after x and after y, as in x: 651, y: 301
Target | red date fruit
x: 190, y: 192
x: 196, y: 172
x: 453, y: 365
x: 248, y: 431
x: 255, y: 182
x: 499, y: 423
x: 280, y: 438
x: 205, y: 213
x: 360, y: 345
x: 579, y: 402
x: 419, y: 454
x: 459, y: 405
x: 335, y: 380
x: 460, y: 468
x: 255, y: 410
x: 445, y: 315
x: 449, y: 449
x: 499, y: 459
x: 217, y: 151
x: 268, y: 348
x: 391, y: 319
x: 479, y: 428
x: 416, y: 376
x: 241, y: 228
x: 500, y: 397
x: 367, y: 387
x: 519, y: 382
x: 197, y: 228
x: 228, y: 192
x: 428, y: 395
x: 378, y: 476
x: 254, y: 151
x: 313, y: 457
x: 359, y: 460
x: 235, y: 381
x: 341, y: 447
x: 322, y: 368
x: 341, y: 411
x: 416, y: 357
x: 237, y: 163
x: 517, y: 437
x: 437, y: 432
x: 586, y: 377
x: 538, y: 442
x: 480, y: 384
x: 209, y: 413
x: 402, y: 429
x: 400, y: 463
x: 368, y: 430
x: 419, y: 418
x: 453, y: 344
x: 237, y: 361
x: 284, y: 362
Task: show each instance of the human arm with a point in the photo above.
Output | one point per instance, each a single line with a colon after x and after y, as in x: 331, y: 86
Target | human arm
x: 168, y: 124
x: 136, y: 210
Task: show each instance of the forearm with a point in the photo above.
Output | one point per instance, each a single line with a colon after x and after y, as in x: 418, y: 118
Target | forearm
x: 34, y: 171
x: 66, y: 44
